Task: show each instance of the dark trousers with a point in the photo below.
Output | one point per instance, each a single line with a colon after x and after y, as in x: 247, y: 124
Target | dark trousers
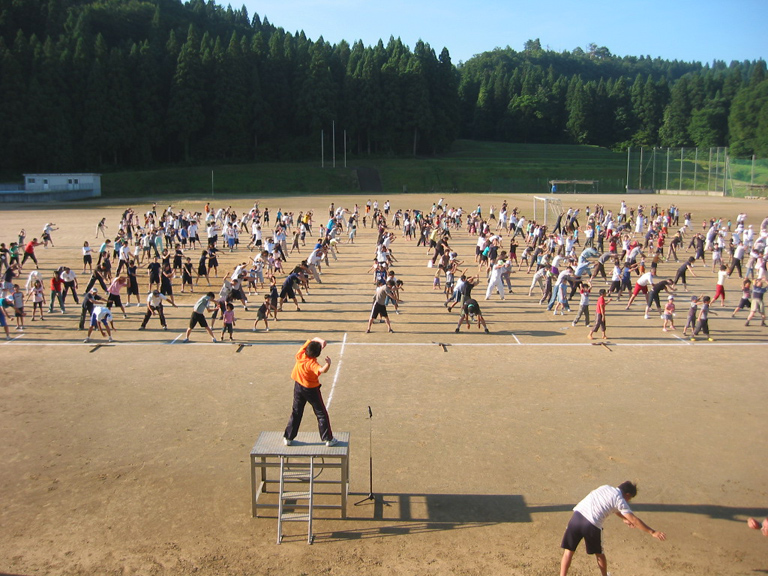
x: 301, y: 396
x: 85, y: 313
x: 69, y: 287
x: 29, y: 255
x: 56, y: 296
x: 148, y: 315
x: 701, y: 326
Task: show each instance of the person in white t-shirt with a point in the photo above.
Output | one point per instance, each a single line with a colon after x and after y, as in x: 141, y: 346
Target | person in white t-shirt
x: 587, y: 523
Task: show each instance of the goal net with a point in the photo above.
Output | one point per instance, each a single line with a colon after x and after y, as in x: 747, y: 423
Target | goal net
x: 546, y: 209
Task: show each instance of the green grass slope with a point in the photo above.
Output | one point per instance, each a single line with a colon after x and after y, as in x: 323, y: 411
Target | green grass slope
x: 469, y: 167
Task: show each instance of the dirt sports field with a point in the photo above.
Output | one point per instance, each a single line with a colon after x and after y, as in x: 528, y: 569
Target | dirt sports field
x: 133, y: 457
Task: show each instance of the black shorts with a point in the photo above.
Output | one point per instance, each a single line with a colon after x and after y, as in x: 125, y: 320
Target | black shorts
x: 287, y: 292
x: 196, y: 319
x: 744, y: 303
x: 580, y: 528
x: 379, y: 310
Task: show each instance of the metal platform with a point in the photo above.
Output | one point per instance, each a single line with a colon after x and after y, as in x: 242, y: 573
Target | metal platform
x: 269, y: 450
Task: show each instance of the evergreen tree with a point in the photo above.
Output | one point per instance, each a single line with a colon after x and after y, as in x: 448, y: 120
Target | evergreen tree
x: 677, y: 116
x: 185, y: 112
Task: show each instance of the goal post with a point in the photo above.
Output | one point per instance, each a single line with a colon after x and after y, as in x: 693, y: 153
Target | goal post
x: 547, y: 209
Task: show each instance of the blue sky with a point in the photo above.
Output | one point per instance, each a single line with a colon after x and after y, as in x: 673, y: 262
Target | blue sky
x: 702, y: 30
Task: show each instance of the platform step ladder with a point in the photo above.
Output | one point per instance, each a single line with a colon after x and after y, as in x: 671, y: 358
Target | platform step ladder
x: 297, y: 484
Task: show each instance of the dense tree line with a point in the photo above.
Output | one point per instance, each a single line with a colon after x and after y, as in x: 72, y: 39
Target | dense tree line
x: 87, y: 85
x: 134, y: 83
x: 593, y: 97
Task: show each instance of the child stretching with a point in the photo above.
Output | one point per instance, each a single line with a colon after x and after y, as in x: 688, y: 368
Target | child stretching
x: 702, y: 322
x: 669, y: 315
x: 692, y: 313
x: 599, y: 315
x: 229, y: 321
x: 263, y: 313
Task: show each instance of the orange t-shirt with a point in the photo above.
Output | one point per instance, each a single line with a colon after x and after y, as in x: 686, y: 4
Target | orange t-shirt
x: 307, y: 370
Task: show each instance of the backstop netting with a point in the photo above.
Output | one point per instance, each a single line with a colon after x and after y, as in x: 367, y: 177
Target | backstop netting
x: 711, y: 170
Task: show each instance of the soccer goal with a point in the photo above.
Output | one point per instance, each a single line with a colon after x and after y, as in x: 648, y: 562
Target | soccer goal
x: 546, y: 209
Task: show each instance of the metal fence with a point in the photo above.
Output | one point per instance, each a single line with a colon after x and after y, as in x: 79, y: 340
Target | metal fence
x: 710, y: 170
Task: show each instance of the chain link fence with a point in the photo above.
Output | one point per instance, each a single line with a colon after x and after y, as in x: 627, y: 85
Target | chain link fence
x: 710, y: 170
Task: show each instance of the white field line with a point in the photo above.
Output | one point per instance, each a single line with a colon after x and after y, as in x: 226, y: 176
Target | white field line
x: 338, y: 369
x: 408, y: 344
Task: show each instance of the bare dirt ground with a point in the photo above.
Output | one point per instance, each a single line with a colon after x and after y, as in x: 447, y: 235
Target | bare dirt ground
x: 133, y: 458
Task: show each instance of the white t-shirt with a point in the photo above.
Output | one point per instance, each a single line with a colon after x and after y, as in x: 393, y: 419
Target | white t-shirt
x: 645, y: 280
x: 602, y: 502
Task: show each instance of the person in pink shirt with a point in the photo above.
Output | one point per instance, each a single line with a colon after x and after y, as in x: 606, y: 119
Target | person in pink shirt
x: 114, y: 293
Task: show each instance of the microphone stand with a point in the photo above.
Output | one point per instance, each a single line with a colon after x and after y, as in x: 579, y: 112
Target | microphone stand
x: 371, y: 495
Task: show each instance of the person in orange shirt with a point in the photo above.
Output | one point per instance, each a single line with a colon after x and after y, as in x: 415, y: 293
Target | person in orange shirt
x: 306, y: 377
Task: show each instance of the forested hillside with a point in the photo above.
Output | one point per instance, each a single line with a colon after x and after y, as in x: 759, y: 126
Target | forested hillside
x: 131, y: 83
x: 593, y: 97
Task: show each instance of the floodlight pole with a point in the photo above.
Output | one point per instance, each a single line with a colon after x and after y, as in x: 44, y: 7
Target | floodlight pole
x: 682, y: 152
x: 695, y: 167
x: 322, y: 150
x: 629, y: 156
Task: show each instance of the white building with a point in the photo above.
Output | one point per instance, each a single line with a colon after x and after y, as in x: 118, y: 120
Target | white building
x: 39, y: 188
x: 62, y: 182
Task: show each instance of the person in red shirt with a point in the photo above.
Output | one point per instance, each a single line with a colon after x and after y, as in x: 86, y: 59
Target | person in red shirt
x: 306, y: 377
x: 29, y: 252
x: 56, y: 285
x: 599, y: 315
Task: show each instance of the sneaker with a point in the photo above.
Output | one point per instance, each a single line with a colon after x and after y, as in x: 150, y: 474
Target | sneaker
x: 573, y: 323
x: 185, y: 340
x: 711, y: 339
x: 693, y: 339
x: 213, y: 340
x: 287, y: 441
x: 110, y: 339
x: 457, y: 330
x: 86, y: 341
x: 647, y: 317
x: 331, y: 442
x: 487, y: 331
x: 165, y: 327
x: 141, y: 328
x: 266, y: 329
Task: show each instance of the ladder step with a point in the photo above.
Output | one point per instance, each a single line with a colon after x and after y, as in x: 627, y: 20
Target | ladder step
x: 296, y: 495
x: 295, y: 517
x: 300, y: 474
